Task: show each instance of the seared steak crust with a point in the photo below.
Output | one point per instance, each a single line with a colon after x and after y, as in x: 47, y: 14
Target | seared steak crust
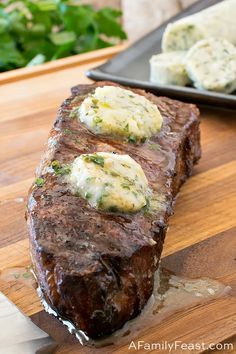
x: 96, y: 268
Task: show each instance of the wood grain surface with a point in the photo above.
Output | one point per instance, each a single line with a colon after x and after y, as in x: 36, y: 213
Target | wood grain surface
x: 202, y: 237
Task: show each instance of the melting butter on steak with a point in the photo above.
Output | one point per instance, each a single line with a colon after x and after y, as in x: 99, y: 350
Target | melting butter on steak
x: 109, y: 181
x: 120, y: 112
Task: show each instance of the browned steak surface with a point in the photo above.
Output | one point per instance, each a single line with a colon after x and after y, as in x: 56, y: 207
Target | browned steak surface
x: 94, y: 267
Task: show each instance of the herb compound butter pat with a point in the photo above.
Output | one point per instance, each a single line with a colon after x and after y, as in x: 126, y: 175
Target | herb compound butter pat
x: 215, y: 21
x: 211, y: 64
x: 119, y: 112
x: 169, y: 69
x: 181, y: 35
x: 109, y: 181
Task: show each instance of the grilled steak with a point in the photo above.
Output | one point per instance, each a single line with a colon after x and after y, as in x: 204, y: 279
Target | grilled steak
x: 96, y: 267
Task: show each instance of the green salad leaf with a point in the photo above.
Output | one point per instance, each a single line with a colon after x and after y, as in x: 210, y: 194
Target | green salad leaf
x: 36, y: 31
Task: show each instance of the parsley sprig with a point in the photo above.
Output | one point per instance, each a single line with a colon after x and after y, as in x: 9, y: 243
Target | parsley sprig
x: 36, y: 31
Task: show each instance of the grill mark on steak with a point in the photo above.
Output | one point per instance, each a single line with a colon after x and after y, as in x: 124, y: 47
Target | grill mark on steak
x: 96, y: 268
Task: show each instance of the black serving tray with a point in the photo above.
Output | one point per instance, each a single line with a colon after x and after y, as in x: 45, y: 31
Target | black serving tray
x: 131, y: 67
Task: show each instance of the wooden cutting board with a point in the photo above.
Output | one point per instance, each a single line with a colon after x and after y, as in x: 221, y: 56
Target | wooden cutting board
x: 201, y: 241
